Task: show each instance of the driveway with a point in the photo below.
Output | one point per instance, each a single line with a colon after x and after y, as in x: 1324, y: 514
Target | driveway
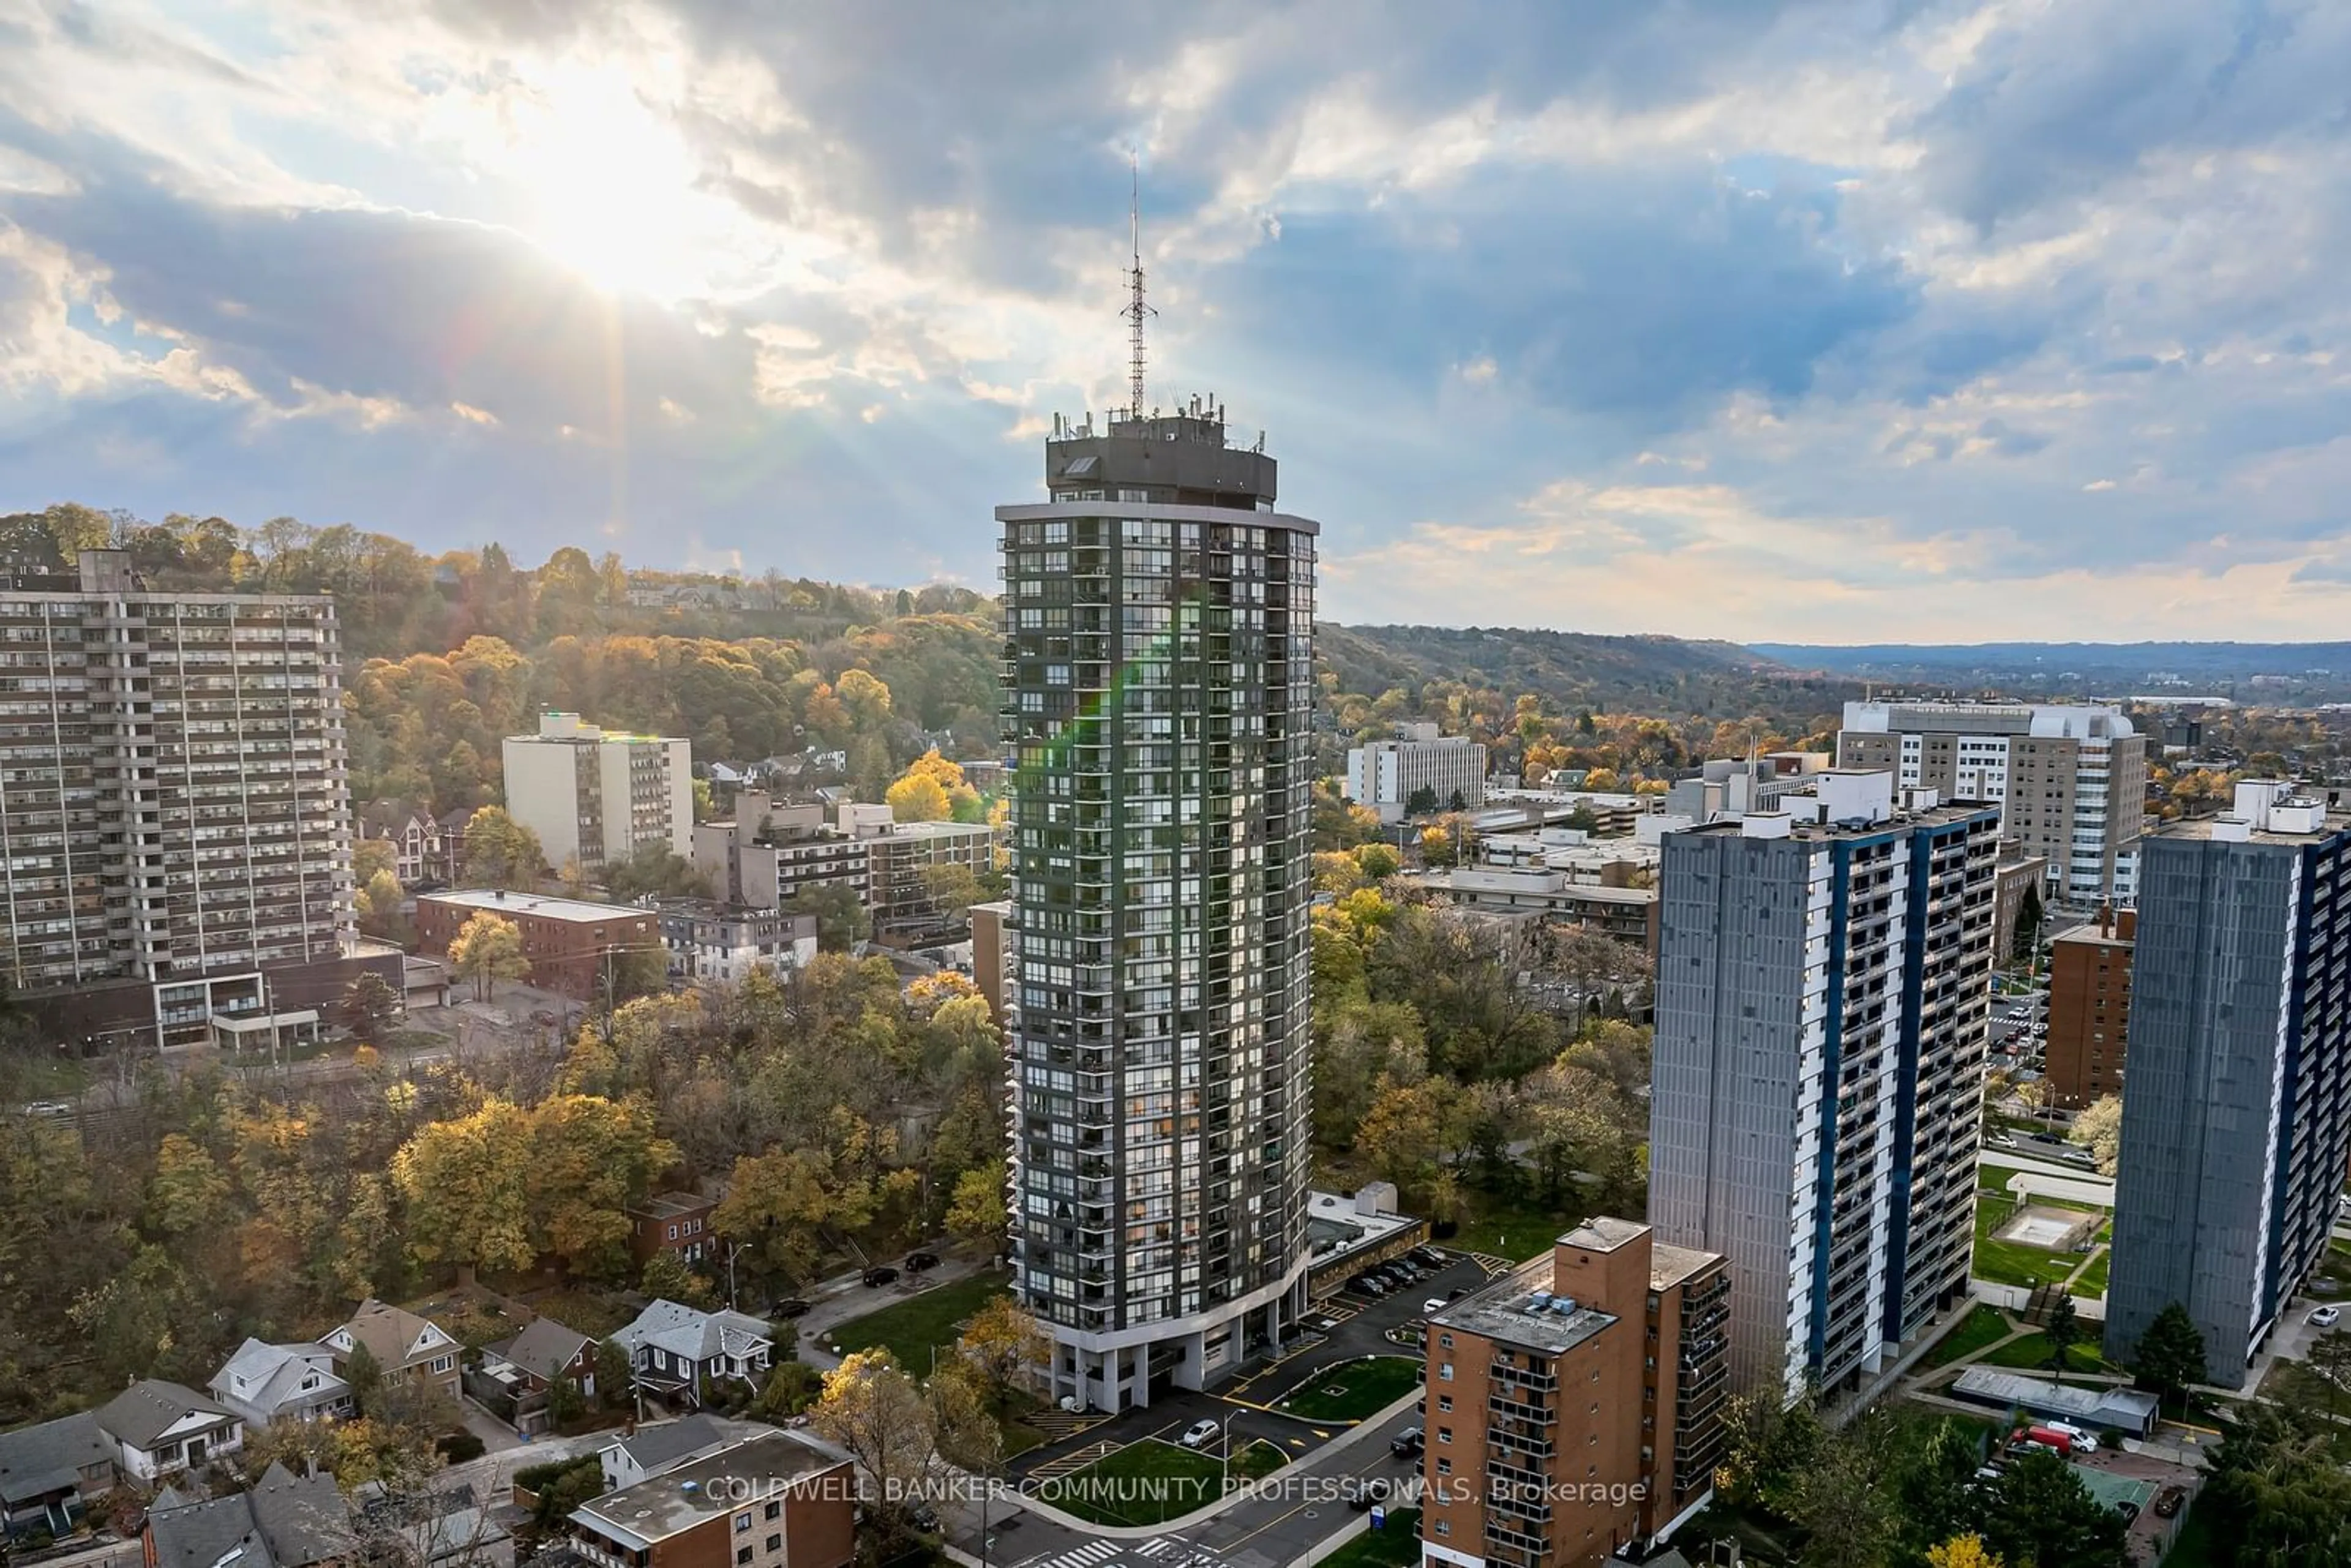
x: 846, y: 1297
x: 1242, y: 1398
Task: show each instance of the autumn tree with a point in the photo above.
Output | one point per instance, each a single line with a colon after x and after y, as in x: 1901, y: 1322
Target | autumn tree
x: 1002, y: 1342
x: 468, y: 1185
x: 918, y: 798
x: 589, y: 1159
x: 500, y: 852
x: 1962, y: 1552
x: 977, y: 1214
x: 879, y: 1414
x: 487, y: 949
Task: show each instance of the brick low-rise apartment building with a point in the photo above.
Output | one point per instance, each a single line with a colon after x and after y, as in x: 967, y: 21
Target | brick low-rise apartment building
x: 1574, y: 1405
x: 2089, y: 1009
x: 570, y: 943
x: 778, y: 1500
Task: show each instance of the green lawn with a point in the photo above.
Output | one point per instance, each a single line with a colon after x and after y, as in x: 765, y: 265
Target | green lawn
x: 2093, y: 1283
x: 912, y: 1328
x: 1143, y: 1483
x: 1257, y: 1460
x: 2031, y: 1353
x: 1980, y: 1328
x: 1397, y: 1546
x: 1509, y: 1225
x: 2013, y: 1262
x: 1353, y: 1389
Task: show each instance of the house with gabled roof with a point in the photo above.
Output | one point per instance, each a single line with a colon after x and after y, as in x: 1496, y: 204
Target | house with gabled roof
x: 161, y: 1428
x: 403, y: 1345
x: 52, y: 1472
x: 677, y: 1349
x: 285, y: 1521
x: 266, y: 1383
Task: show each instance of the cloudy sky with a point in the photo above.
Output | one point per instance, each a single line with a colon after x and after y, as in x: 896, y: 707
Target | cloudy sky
x: 1819, y: 322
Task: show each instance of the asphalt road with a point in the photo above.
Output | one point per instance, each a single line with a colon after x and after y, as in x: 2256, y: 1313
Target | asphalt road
x: 1284, y: 1515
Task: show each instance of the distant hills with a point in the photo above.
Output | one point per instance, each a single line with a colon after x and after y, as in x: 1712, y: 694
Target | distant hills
x: 2246, y: 671
x: 1572, y: 670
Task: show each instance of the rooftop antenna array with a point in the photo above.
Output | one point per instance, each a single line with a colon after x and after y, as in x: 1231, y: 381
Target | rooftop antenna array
x: 1136, y: 308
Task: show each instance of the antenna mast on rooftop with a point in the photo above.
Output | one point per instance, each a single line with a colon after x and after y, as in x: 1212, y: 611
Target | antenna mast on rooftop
x: 1136, y: 308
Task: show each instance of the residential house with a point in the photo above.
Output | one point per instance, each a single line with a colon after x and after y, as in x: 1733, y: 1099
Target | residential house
x: 52, y: 1472
x: 162, y: 1428
x: 528, y: 1366
x: 285, y: 1521
x: 445, y: 1525
x: 657, y: 1450
x: 266, y: 1383
x: 675, y: 1349
x: 423, y: 848
x: 403, y: 1345
x: 781, y: 1500
x: 675, y: 1222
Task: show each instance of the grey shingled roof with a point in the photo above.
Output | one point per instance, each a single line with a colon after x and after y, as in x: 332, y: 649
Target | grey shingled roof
x: 285, y: 1521
x: 544, y: 1349
x: 697, y: 1335
x: 37, y: 1460
x: 656, y: 1446
x: 142, y: 1413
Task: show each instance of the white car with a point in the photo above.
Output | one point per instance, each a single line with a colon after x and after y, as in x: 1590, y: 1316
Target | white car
x: 2325, y: 1317
x: 1200, y: 1434
x: 1434, y: 1304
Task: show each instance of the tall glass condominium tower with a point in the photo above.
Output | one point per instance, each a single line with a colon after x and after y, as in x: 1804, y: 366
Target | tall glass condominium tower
x: 1158, y: 686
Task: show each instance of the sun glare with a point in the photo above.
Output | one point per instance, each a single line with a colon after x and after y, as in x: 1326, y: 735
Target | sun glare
x: 611, y: 186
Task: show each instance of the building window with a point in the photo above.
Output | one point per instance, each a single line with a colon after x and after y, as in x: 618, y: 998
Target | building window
x: 774, y: 1511
x: 1445, y: 1372
x: 1445, y: 1434
x: 1444, y: 1402
x: 775, y: 1543
x: 673, y: 1233
x: 742, y: 1554
x: 1444, y: 1526
x: 742, y: 1524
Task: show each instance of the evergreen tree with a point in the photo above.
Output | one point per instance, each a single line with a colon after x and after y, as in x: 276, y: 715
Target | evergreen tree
x: 2171, y: 1354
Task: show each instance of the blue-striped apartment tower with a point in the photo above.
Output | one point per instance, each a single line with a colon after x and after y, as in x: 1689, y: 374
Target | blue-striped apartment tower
x: 2234, y: 1116
x: 1823, y: 981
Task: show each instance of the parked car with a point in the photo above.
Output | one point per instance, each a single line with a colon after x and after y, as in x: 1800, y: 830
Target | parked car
x: 881, y: 1274
x: 1432, y: 1257
x: 2047, y: 1437
x: 1455, y: 1293
x: 788, y: 1307
x: 1364, y: 1495
x: 2169, y: 1501
x: 1200, y: 1434
x: 2325, y: 1317
x: 48, y: 1108
x: 918, y: 1261
x: 1407, y: 1443
x: 1368, y: 1285
x: 1434, y: 1304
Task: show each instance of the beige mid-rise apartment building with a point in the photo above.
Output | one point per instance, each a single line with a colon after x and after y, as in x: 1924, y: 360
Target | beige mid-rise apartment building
x: 174, y: 808
x: 596, y: 797
x: 2069, y: 780
x: 1574, y: 1405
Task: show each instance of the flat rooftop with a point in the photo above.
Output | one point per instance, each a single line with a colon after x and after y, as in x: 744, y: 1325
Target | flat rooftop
x: 1669, y: 1265
x: 2200, y: 827
x: 537, y: 905
x: 654, y: 1511
x: 1505, y: 1312
x: 2087, y: 934
x: 1824, y: 832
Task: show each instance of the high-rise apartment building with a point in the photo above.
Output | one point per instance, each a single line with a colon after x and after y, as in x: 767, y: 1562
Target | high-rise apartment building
x: 1441, y: 772
x: 2089, y: 1009
x: 2071, y: 781
x: 1574, y: 1406
x: 1159, y: 692
x: 2235, y: 1123
x: 1821, y: 1043
x: 596, y: 797
x: 174, y: 808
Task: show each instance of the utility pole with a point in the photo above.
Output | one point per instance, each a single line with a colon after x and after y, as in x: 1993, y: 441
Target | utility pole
x: 732, y: 1253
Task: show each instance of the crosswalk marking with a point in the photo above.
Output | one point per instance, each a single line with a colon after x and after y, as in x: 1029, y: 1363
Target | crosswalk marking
x: 1158, y: 1551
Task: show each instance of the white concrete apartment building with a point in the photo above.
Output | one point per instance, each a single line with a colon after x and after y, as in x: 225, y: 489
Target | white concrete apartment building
x: 598, y: 796
x: 2069, y: 780
x: 1387, y: 774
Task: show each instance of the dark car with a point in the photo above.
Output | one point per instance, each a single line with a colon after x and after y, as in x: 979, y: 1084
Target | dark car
x: 918, y: 1261
x: 881, y: 1274
x: 789, y: 1307
x: 2169, y: 1501
x: 1455, y: 1293
x: 1429, y: 1256
x: 1370, y: 1284
x: 1407, y: 1443
x: 1366, y: 1494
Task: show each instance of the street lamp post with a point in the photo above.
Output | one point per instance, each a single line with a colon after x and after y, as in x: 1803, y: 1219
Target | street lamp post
x: 732, y: 1253
x: 1225, y: 1447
